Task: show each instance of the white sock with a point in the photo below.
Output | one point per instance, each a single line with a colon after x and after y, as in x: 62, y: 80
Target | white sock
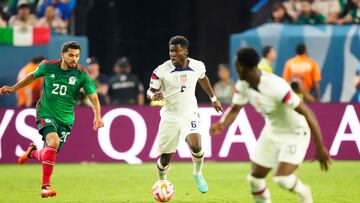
x: 198, y: 161
x: 162, y: 170
x: 258, y: 189
x: 292, y: 183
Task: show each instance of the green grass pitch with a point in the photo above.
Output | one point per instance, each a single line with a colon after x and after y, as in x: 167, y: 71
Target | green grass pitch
x: 118, y: 182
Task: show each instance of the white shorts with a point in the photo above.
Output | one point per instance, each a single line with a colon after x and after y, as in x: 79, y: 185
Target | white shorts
x: 272, y: 149
x: 170, y: 132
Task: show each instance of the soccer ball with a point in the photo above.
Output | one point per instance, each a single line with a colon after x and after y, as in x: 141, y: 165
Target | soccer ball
x: 163, y: 191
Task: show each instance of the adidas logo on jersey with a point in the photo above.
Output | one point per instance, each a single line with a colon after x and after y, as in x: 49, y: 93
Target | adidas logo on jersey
x: 52, y: 75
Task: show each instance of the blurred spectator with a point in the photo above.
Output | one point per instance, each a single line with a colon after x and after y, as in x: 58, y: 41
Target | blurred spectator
x: 357, y: 85
x: 293, y: 8
x: 303, y: 74
x: 2, y: 22
x: 353, y: 16
x: 23, y: 16
x: 29, y: 95
x: 224, y: 88
x: 330, y: 9
x: 11, y: 5
x: 279, y: 15
x: 51, y: 20
x: 125, y: 88
x: 269, y: 55
x: 308, y: 16
x: 101, y: 81
x: 63, y: 10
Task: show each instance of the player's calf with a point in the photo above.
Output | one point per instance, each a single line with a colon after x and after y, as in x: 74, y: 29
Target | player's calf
x: 258, y: 189
x: 294, y: 184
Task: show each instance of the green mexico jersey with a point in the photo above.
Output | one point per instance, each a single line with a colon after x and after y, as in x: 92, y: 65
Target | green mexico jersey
x: 61, y: 89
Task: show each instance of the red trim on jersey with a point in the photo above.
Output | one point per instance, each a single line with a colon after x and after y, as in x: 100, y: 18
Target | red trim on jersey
x: 287, y: 97
x: 38, y: 106
x: 50, y: 62
x: 81, y: 68
x: 260, y: 192
x: 154, y: 77
x: 41, y: 121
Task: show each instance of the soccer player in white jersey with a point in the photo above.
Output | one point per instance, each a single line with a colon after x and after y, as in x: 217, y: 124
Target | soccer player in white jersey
x: 174, y: 81
x: 285, y: 138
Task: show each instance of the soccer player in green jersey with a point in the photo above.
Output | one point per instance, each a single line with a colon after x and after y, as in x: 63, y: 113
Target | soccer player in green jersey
x: 63, y: 80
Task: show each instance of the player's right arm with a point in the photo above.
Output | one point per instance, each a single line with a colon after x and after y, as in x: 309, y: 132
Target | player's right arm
x: 227, y: 118
x: 30, y: 77
x: 240, y: 98
x: 154, y: 92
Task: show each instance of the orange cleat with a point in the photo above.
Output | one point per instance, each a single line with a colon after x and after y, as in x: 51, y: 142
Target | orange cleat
x: 26, y: 156
x: 47, y: 191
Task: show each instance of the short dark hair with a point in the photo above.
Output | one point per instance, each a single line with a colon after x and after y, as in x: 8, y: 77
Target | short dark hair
x: 179, y: 40
x: 266, y: 50
x: 300, y: 49
x: 247, y: 57
x: 70, y: 45
x: 37, y: 59
x: 123, y: 62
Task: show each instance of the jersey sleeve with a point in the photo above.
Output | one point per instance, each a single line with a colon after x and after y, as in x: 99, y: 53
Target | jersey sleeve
x: 202, y: 70
x: 284, y: 94
x: 241, y: 94
x: 89, y: 85
x: 156, y: 78
x: 40, y: 71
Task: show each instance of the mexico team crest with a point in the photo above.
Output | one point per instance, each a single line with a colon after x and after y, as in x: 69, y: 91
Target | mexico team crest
x: 72, y: 80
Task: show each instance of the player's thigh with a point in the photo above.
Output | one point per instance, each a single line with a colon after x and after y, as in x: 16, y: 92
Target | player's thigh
x: 190, y: 129
x: 293, y: 149
x: 63, y: 133
x: 167, y: 138
x: 285, y: 169
x: 259, y: 171
x: 265, y: 153
x: 48, y: 128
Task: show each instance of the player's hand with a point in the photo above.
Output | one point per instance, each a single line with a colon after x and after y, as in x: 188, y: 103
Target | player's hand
x: 6, y: 90
x: 158, y: 96
x: 322, y: 155
x: 98, y: 123
x: 217, y: 106
x: 216, y: 128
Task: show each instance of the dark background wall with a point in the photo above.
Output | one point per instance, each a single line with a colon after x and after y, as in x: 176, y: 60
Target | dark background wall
x: 141, y: 29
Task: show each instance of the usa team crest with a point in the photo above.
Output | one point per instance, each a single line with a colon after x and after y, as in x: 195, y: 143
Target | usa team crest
x: 72, y: 80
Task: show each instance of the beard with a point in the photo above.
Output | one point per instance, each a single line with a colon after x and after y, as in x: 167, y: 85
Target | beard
x: 71, y: 65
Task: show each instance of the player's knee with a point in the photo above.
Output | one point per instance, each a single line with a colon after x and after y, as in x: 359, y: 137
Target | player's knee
x: 255, y: 182
x: 53, y: 140
x: 196, y: 147
x: 286, y: 182
x: 165, y: 160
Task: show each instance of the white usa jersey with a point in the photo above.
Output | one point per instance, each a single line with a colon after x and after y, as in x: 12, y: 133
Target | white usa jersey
x: 275, y: 100
x: 178, y: 86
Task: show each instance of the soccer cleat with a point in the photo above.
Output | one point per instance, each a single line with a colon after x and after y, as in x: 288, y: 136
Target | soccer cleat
x: 27, y: 155
x: 47, y: 191
x: 201, y: 183
x: 307, y: 196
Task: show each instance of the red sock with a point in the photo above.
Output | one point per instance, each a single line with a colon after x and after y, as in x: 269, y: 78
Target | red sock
x: 38, y: 154
x: 48, y: 160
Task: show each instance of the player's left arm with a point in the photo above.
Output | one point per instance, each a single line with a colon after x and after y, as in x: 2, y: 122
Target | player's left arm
x: 206, y: 86
x: 322, y: 153
x: 98, y: 123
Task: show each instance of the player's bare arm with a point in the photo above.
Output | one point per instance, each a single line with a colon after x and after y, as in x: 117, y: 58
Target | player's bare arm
x: 154, y: 94
x: 227, y: 118
x: 22, y: 83
x: 98, y: 123
x: 206, y: 86
x: 322, y: 154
